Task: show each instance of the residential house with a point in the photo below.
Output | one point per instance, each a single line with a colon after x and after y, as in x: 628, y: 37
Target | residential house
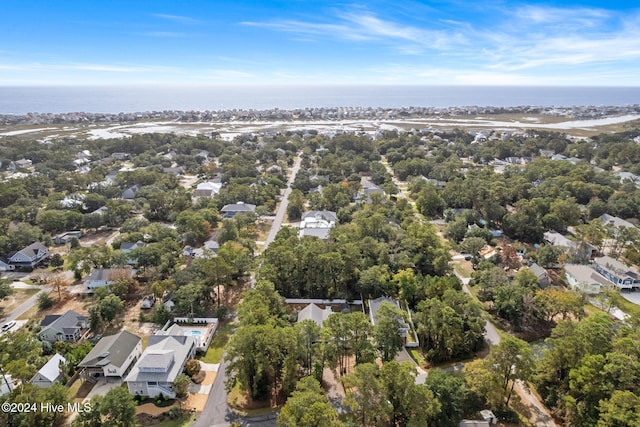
x: 176, y: 171
x: 128, y: 247
x: 319, y: 219
x: 320, y: 233
x: 208, y: 189
x: 20, y: 164
x: 618, y: 273
x: 131, y: 192
x: 160, y: 364
x: 629, y: 177
x: 100, y: 277
x: 30, y: 257
x: 113, y: 356
x: 211, y: 245
x: 614, y: 221
x: 121, y: 156
x: 374, y: 306
x: 228, y: 211
x: 63, y: 327
x: 202, y: 156
x: 50, y: 373
x: 584, y: 250
x: 6, y: 384
x: 67, y: 237
x: 315, y: 313
x: 5, y: 266
x: 100, y: 211
x: 541, y: 274
x: 368, y: 188
x: 584, y: 278
x: 110, y: 178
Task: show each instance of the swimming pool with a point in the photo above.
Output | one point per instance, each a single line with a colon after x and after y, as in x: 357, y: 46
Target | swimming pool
x: 196, y: 333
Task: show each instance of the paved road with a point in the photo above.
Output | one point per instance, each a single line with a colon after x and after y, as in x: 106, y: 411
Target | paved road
x: 25, y: 306
x: 216, y: 412
x: 282, y: 209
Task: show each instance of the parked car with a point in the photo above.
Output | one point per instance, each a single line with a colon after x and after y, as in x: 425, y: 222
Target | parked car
x: 8, y: 325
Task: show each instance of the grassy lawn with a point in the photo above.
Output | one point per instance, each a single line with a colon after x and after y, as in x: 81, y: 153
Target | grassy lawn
x: 628, y: 307
x: 417, y: 357
x: 462, y: 270
x: 16, y: 298
x: 180, y: 422
x: 237, y: 399
x: 219, y: 341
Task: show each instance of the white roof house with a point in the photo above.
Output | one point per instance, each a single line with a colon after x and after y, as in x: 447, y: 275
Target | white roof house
x: 50, y: 373
x: 208, y: 189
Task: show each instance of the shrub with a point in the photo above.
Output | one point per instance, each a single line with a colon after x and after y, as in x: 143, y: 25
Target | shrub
x: 44, y: 301
x: 192, y: 367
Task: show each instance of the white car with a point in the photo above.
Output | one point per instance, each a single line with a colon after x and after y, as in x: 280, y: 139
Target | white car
x: 8, y: 325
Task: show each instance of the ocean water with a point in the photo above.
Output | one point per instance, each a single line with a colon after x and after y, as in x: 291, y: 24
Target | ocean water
x: 22, y: 100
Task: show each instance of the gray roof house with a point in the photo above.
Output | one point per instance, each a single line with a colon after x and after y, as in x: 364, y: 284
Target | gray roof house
x: 229, y: 211
x: 100, y: 277
x: 127, y: 247
x: 208, y: 189
x: 618, y: 273
x: 584, y: 278
x: 614, y: 221
x: 541, y: 274
x: 320, y: 233
x: 50, y: 372
x: 315, y: 313
x: 131, y: 192
x: 112, y: 356
x: 66, y: 327
x: 31, y: 256
x: 327, y: 216
x: 160, y: 364
x: 5, y: 266
x: 67, y: 237
x: 374, y: 306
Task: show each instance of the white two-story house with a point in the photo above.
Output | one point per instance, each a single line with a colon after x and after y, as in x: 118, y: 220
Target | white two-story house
x: 160, y: 364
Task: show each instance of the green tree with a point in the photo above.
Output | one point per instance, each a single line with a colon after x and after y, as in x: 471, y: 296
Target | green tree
x: 411, y: 404
x: 118, y: 408
x: 109, y: 307
x: 620, y: 410
x: 5, y: 288
x: 181, y: 385
x: 388, y: 320
x: 308, y: 407
x: 44, y: 301
x: 511, y: 360
x: 365, y: 395
x: 456, y: 400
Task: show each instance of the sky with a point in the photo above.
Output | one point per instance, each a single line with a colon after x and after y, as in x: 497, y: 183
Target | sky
x: 308, y: 42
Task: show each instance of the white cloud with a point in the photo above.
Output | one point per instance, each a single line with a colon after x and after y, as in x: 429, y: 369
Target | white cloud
x: 177, y: 18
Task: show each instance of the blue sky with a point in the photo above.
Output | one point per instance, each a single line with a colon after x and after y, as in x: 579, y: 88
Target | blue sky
x: 195, y: 42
